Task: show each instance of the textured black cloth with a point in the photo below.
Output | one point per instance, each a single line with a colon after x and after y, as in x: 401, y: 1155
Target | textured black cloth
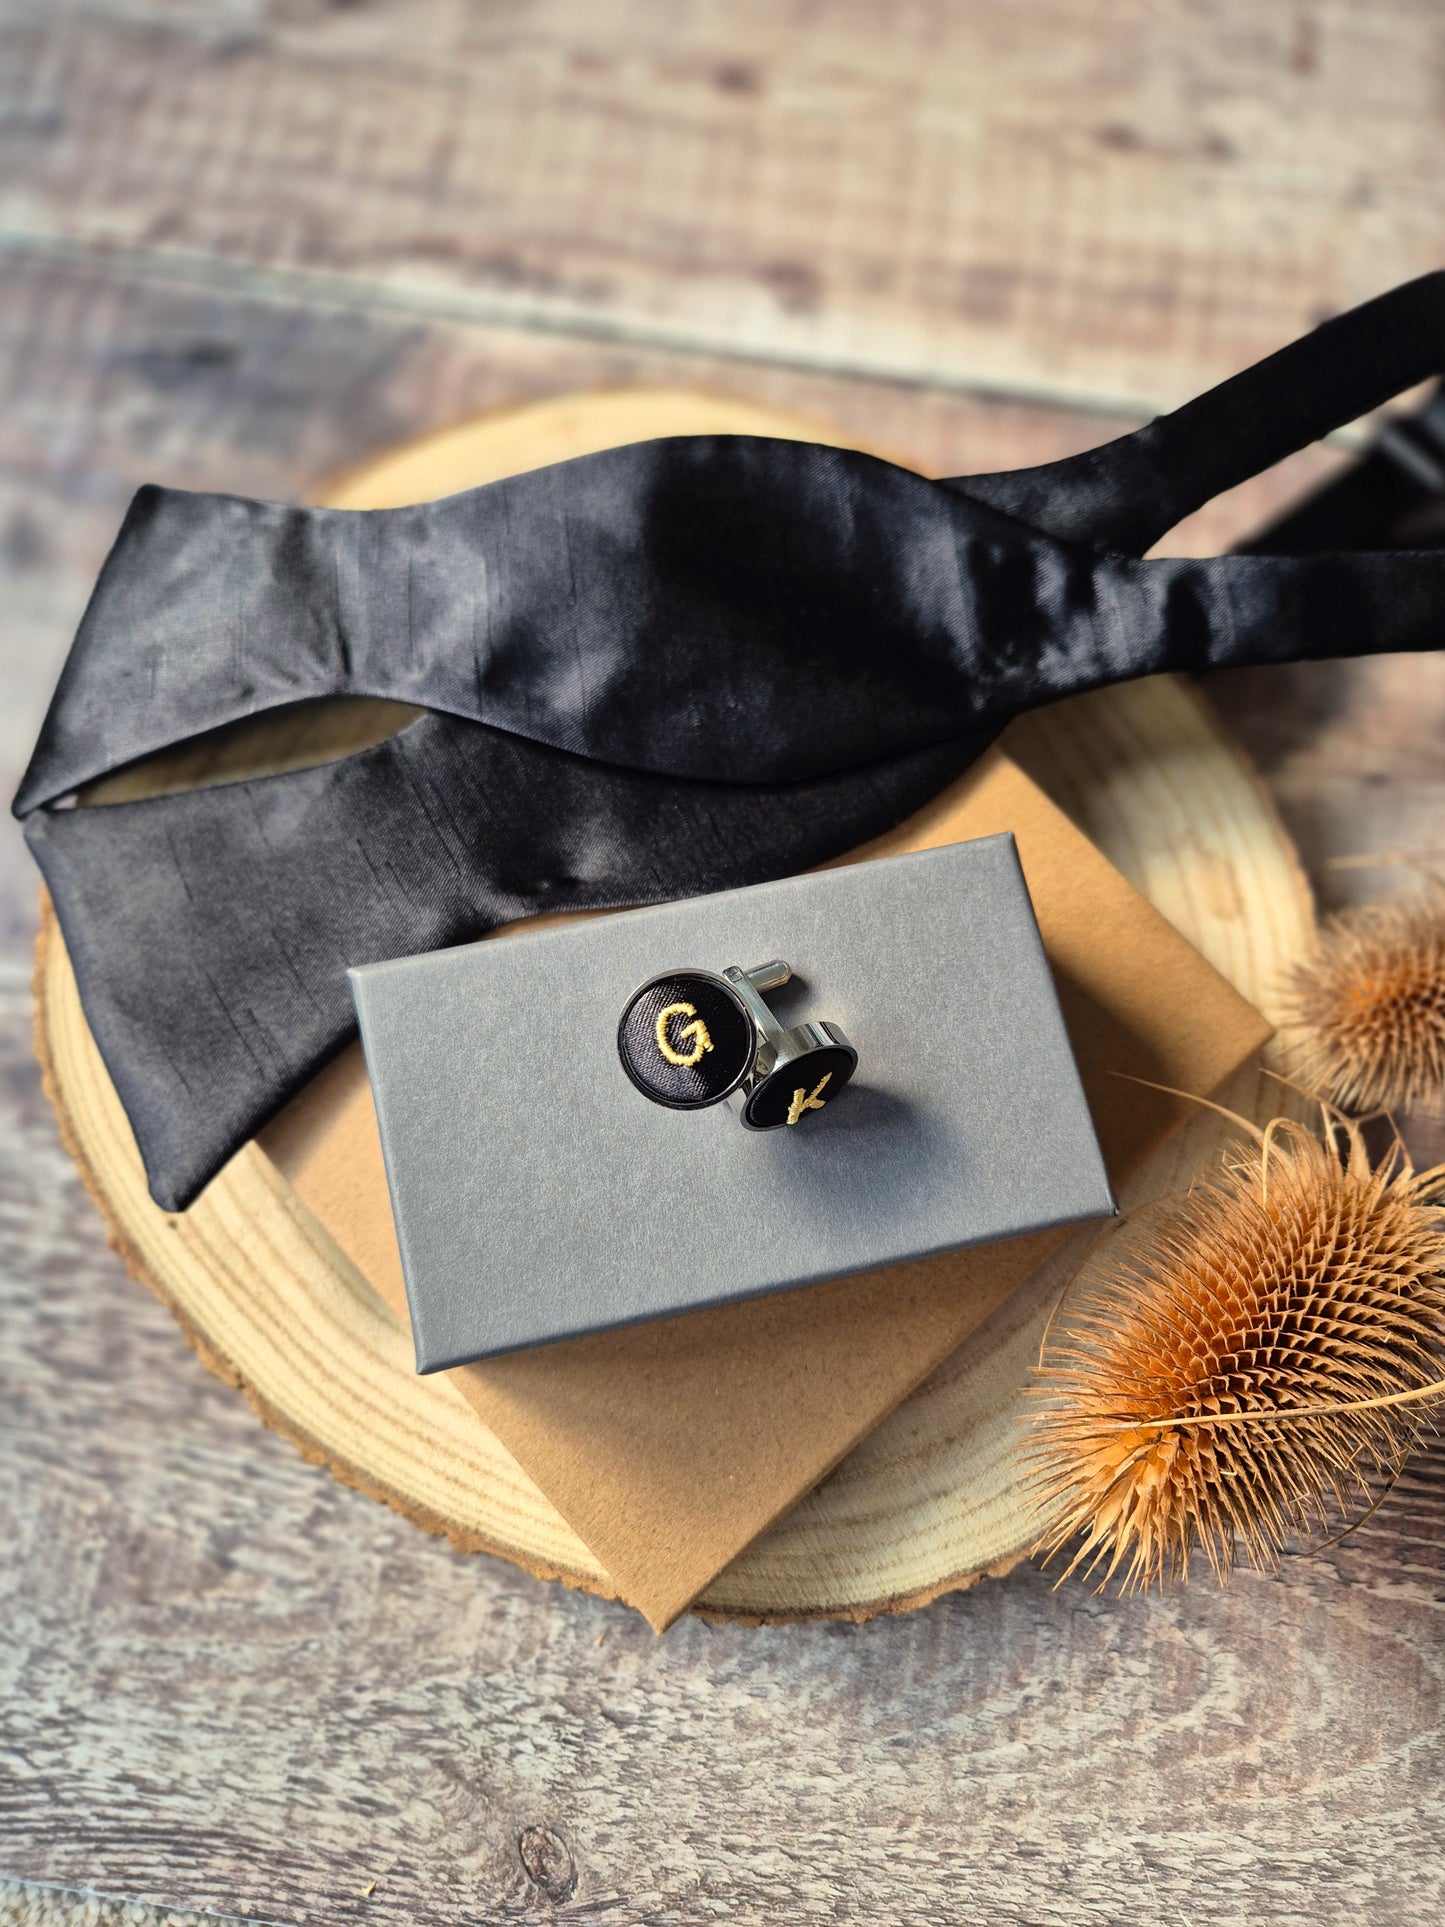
x: 665, y: 669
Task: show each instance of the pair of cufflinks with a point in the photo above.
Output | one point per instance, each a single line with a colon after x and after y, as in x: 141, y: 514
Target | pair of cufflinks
x: 691, y: 1038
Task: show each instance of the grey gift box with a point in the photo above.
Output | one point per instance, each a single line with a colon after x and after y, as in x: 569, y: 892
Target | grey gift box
x: 537, y: 1195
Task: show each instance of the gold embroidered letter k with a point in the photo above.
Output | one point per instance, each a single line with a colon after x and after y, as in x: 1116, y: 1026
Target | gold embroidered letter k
x: 802, y: 1101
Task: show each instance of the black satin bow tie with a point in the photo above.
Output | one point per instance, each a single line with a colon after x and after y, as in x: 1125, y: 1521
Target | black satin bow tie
x: 669, y: 668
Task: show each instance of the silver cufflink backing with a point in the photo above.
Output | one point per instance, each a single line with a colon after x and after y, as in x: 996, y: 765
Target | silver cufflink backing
x: 690, y: 1038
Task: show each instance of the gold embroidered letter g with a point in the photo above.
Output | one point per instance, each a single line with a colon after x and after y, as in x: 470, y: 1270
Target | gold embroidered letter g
x: 697, y: 1032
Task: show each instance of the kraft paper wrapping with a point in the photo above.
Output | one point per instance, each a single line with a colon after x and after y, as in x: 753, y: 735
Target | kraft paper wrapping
x: 669, y: 1446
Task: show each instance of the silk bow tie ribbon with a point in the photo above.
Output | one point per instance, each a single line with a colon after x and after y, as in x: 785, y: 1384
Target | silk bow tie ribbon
x: 666, y: 669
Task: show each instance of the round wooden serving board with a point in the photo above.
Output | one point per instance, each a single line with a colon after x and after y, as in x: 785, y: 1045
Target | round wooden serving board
x: 931, y: 1500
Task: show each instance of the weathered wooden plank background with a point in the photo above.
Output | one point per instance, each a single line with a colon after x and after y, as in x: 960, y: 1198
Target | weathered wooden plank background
x: 248, y: 243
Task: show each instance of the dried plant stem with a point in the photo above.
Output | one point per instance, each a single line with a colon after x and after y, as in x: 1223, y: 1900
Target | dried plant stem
x: 1415, y: 1394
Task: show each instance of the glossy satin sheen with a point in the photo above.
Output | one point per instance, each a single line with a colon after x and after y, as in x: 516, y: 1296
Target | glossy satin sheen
x: 663, y: 669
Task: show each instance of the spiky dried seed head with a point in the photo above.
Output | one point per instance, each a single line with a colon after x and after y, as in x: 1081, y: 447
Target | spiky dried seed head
x: 1296, y: 1276
x: 1368, y: 1010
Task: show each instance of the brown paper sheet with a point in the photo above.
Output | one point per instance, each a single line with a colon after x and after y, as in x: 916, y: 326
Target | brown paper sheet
x: 669, y: 1446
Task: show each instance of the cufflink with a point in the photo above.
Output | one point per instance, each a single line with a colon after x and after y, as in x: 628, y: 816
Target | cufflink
x: 690, y: 1038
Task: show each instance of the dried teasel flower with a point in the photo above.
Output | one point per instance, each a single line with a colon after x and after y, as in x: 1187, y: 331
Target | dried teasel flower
x: 1235, y: 1362
x: 1368, y: 1010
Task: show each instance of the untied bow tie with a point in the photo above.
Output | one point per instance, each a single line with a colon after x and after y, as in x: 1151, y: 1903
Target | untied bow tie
x: 665, y: 669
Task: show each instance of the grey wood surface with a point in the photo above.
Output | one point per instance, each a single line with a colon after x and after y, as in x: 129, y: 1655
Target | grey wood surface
x: 245, y: 245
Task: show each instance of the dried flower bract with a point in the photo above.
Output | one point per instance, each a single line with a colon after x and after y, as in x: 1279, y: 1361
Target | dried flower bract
x: 1216, y: 1380
x: 1369, y: 1007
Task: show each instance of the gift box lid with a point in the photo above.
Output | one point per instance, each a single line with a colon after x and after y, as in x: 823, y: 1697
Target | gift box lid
x: 538, y: 1195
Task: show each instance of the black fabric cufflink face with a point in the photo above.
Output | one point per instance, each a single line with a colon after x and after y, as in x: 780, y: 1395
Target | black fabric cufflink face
x: 690, y: 1038
x: 686, y: 1040
x: 816, y: 1066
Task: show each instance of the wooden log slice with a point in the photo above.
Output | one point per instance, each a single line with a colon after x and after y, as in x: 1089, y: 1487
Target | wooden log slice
x: 932, y: 1500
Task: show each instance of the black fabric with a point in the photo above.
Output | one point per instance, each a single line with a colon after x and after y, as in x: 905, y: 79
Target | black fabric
x: 709, y: 1055
x: 1392, y: 497
x: 664, y: 669
x: 809, y: 1083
